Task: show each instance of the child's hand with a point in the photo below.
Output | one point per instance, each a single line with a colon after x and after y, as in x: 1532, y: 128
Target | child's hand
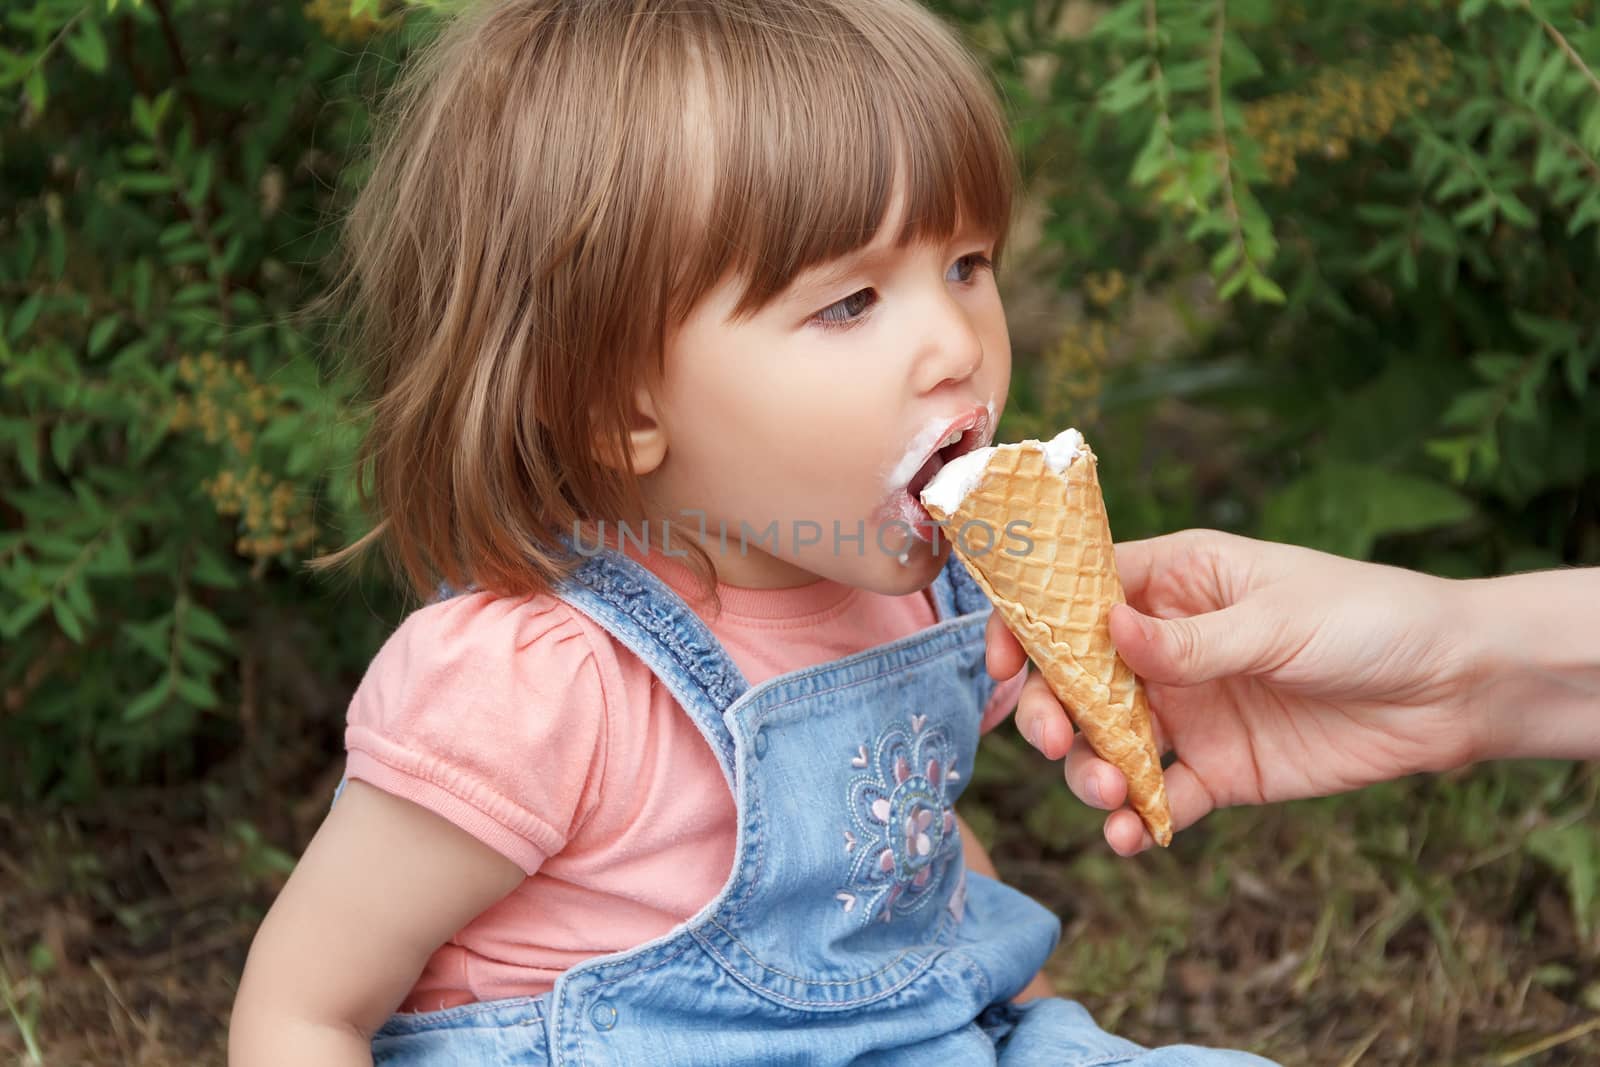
x: 1273, y: 672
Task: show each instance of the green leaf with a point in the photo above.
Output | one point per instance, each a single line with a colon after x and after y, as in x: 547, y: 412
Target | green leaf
x: 144, y: 118
x: 143, y: 276
x: 1496, y: 366
x: 1572, y: 851
x: 1480, y: 210
x: 37, y: 92
x: 1528, y: 57
x: 1345, y: 507
x: 209, y: 569
x: 1265, y: 289
x: 88, y: 46
x: 151, y: 636
x: 1577, y: 367
x: 24, y: 317
x: 200, y: 181
x: 21, y: 617
x: 102, y: 333
x: 197, y: 691
x: 150, y: 184
x: 1232, y: 286
x: 201, y: 623
x: 65, y: 437
x: 1469, y: 408
x: 28, y: 454
x: 149, y: 701
x: 1553, y: 68
x: 69, y: 623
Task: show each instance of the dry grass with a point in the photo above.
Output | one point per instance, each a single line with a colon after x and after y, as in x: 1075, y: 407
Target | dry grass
x: 1430, y: 922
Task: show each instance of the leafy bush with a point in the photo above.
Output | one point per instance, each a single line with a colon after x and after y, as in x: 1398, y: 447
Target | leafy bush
x: 172, y: 443
x: 1399, y: 205
x: 1396, y: 206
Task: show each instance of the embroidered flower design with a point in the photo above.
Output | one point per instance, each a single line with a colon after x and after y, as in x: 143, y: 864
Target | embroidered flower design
x: 903, y: 831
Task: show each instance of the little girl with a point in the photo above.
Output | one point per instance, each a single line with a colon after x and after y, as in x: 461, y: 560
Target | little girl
x: 673, y: 305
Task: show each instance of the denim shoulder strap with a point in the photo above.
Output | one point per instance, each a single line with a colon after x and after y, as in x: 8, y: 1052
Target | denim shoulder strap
x: 655, y: 624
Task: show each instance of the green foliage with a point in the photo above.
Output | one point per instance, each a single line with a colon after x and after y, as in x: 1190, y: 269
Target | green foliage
x: 173, y: 440
x: 1398, y: 207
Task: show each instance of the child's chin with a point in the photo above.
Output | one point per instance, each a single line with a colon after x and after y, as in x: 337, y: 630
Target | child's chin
x: 922, y: 563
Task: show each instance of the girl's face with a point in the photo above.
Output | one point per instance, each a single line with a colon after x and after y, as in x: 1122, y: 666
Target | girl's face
x: 803, y: 432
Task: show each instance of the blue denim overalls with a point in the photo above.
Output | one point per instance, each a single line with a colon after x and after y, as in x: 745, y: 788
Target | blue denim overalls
x: 849, y: 931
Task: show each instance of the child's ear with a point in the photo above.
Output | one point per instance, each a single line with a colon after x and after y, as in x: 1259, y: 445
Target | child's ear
x: 647, y: 438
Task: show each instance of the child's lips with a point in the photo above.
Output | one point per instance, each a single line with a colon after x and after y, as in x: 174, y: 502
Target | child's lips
x: 969, y: 432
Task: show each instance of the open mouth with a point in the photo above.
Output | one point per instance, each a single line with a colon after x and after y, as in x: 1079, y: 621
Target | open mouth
x: 956, y: 443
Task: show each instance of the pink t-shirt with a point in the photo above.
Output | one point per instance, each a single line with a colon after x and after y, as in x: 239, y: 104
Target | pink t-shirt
x: 527, y: 725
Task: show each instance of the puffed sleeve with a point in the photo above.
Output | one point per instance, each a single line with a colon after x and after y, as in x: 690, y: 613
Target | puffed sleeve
x: 490, y: 712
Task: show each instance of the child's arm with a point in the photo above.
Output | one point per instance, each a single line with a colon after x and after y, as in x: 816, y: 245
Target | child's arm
x: 381, y: 886
x: 977, y: 859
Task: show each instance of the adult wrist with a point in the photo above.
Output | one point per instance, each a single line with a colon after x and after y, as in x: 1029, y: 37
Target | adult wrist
x: 1532, y: 646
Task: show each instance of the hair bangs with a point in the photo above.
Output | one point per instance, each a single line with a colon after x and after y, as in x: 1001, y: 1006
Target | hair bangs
x: 817, y: 124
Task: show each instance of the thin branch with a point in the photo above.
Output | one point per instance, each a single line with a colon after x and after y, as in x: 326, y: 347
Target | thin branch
x: 55, y: 42
x: 1159, y: 77
x: 1218, y: 34
x: 180, y: 65
x: 1563, y: 44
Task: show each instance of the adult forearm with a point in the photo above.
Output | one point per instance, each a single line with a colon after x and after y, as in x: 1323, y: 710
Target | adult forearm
x: 1535, y: 643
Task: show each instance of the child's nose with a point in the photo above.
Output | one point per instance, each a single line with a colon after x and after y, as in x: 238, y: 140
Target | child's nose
x: 950, y: 348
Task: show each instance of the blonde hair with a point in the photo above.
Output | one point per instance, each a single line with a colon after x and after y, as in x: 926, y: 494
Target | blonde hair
x: 559, y: 182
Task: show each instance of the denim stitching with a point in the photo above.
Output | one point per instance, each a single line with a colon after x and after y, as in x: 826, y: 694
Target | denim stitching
x: 773, y: 995
x: 759, y: 962
x: 463, y: 1011
x: 667, y: 619
x: 842, y: 686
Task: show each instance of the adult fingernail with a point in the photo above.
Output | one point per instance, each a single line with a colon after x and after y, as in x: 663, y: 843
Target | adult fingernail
x: 1091, y: 791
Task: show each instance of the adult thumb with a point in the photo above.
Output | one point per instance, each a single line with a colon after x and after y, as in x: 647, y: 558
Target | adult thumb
x: 1188, y: 651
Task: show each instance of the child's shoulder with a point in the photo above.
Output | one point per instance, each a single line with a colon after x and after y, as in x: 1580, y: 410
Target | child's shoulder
x: 470, y: 692
x: 489, y: 651
x: 479, y: 623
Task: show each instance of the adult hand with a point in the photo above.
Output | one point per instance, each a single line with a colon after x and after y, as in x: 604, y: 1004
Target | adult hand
x: 1276, y: 672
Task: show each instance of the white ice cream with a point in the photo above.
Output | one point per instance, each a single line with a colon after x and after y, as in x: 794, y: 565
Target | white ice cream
x: 958, y: 477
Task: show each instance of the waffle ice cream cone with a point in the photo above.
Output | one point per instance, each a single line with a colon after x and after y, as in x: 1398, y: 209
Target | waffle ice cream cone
x: 1057, y: 595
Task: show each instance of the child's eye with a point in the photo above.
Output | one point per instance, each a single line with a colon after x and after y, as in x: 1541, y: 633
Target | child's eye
x: 846, y: 312
x: 973, y: 262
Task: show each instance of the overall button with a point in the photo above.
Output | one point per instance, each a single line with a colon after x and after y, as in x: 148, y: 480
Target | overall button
x: 761, y: 743
x: 603, y: 1015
